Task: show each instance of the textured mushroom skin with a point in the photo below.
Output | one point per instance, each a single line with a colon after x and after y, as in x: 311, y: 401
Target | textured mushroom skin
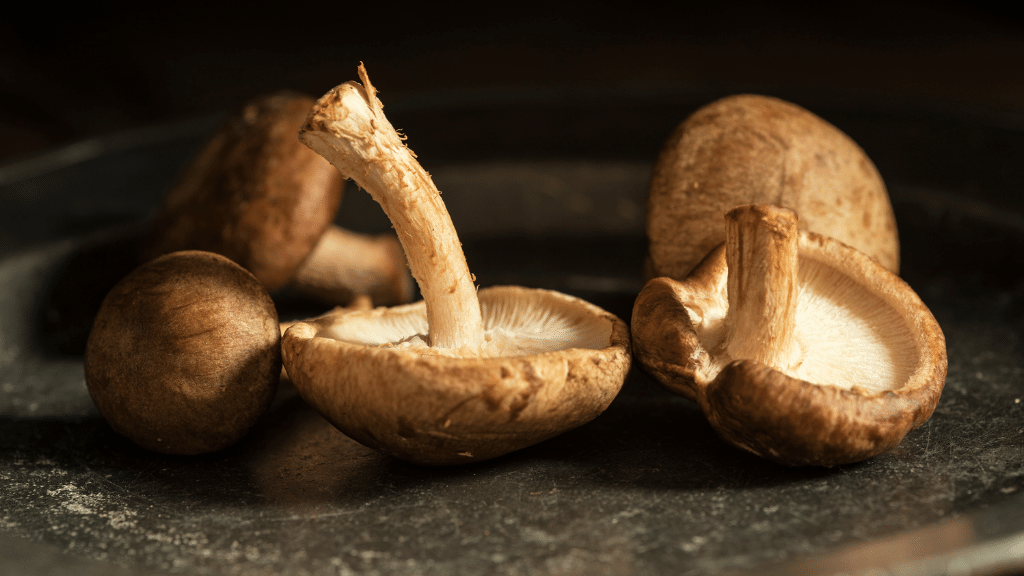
x: 184, y: 354
x: 749, y: 149
x: 438, y: 409
x: 255, y: 167
x: 764, y: 411
x: 820, y: 425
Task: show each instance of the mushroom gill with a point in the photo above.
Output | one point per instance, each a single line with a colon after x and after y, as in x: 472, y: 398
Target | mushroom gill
x: 517, y: 322
x: 847, y: 333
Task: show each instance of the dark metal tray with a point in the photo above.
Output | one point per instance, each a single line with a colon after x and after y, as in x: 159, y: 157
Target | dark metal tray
x: 546, y: 190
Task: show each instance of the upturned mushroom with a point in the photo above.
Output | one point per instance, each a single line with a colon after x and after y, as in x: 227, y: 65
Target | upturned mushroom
x: 749, y: 149
x: 261, y: 198
x: 461, y: 376
x: 795, y: 346
x: 184, y: 354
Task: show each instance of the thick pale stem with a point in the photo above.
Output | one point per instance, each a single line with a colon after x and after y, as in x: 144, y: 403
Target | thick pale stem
x: 346, y: 264
x: 347, y: 126
x: 761, y: 252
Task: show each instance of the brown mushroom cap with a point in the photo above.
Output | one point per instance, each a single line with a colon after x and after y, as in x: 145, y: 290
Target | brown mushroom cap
x: 184, y: 354
x: 254, y: 194
x: 864, y: 365
x: 750, y: 149
x: 550, y: 363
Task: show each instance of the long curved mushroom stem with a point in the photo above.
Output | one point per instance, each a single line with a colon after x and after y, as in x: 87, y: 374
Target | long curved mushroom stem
x: 347, y: 126
x: 761, y: 253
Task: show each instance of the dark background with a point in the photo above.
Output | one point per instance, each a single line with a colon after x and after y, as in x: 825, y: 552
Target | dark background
x: 82, y: 71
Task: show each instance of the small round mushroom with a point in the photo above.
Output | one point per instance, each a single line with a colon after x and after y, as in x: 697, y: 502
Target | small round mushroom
x: 184, y: 354
x: 461, y: 376
x: 797, y: 347
x: 258, y: 196
x: 749, y: 149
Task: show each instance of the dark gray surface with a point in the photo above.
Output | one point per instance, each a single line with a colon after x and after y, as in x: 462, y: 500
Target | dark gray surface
x: 645, y: 488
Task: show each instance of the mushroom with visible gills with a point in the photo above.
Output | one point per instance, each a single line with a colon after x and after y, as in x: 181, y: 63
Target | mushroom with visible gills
x: 796, y: 347
x: 258, y: 196
x: 751, y: 149
x: 461, y: 376
x: 185, y: 353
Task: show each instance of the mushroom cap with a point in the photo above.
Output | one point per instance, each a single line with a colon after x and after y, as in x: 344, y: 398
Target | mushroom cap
x: 552, y: 363
x: 872, y: 358
x: 749, y: 149
x: 184, y: 354
x: 254, y: 194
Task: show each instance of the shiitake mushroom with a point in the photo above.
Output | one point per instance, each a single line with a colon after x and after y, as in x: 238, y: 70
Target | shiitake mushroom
x: 461, y: 376
x: 796, y: 347
x: 258, y: 196
x: 184, y: 354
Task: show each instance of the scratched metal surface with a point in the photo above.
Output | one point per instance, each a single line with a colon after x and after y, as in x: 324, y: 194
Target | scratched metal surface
x: 645, y: 488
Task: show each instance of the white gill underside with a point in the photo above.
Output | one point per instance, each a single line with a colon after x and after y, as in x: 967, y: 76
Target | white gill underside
x: 517, y: 322
x: 847, y: 336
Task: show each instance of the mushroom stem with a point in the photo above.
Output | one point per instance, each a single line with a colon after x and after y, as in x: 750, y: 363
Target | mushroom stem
x: 347, y: 126
x: 346, y: 264
x: 761, y: 253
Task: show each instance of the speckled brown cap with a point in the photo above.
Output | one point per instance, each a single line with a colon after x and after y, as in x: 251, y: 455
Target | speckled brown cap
x: 184, y: 354
x: 750, y: 149
x: 254, y: 194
